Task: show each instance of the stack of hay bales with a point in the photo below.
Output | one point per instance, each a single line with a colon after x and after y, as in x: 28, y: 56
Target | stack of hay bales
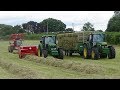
x: 68, y: 41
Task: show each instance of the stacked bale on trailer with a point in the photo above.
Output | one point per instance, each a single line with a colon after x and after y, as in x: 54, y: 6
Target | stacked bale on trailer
x: 69, y: 41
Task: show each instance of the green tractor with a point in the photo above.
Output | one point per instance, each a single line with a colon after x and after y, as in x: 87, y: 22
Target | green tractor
x: 96, y: 47
x: 48, y: 46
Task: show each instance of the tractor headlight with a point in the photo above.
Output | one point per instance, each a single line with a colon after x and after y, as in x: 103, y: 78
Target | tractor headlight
x: 53, y: 48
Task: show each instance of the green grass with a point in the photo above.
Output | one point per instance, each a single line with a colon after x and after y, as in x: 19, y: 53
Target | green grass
x: 4, y: 74
x: 13, y: 67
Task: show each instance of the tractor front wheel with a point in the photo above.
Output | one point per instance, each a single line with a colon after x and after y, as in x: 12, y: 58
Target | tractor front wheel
x: 111, y: 54
x: 45, y: 53
x: 95, y: 54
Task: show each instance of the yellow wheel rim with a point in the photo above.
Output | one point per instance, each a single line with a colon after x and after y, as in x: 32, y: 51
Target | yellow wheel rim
x: 38, y: 52
x: 93, y: 54
x: 85, y: 52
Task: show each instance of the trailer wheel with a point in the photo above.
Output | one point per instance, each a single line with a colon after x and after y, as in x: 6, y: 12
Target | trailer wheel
x: 60, y: 51
x: 45, y: 53
x: 111, y: 54
x: 95, y: 54
x: 86, y: 53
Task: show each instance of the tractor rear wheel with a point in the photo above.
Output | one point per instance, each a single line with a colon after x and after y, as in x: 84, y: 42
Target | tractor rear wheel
x: 86, y: 53
x: 95, y: 54
x: 45, y: 53
x: 10, y: 49
x: 60, y: 51
x: 111, y: 54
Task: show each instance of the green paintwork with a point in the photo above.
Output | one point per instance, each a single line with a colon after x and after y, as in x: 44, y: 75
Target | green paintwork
x: 52, y: 47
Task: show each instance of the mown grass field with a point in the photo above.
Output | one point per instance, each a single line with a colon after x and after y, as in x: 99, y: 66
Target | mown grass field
x: 13, y: 67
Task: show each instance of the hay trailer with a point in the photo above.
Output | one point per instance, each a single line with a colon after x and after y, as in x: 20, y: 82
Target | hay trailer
x: 48, y: 46
x: 87, y: 44
x: 15, y: 41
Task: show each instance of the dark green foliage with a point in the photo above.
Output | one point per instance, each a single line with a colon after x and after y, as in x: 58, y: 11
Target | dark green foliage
x: 114, y: 23
x: 113, y: 37
x: 88, y: 27
x: 18, y: 29
x: 69, y: 30
x: 36, y: 36
x: 53, y: 25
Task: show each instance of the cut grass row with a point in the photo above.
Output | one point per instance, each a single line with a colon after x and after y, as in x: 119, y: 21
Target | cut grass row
x: 107, y: 68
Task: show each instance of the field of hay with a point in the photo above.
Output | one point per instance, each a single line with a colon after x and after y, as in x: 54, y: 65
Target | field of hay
x: 74, y: 67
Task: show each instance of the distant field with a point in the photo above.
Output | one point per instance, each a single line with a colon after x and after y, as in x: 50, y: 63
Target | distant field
x: 13, y: 67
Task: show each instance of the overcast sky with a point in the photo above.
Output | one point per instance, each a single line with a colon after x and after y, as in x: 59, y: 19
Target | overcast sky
x: 99, y: 19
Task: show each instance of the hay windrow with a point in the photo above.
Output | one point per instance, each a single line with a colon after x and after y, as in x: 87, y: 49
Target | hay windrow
x: 79, y: 67
x: 21, y: 71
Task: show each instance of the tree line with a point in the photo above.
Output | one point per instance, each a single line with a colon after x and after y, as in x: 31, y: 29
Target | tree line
x: 50, y: 25
x: 54, y: 25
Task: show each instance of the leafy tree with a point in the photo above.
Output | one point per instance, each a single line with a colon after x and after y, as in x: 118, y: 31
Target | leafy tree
x: 88, y: 27
x: 99, y: 30
x: 18, y: 29
x: 114, y: 23
x: 53, y: 25
x: 69, y: 29
x: 6, y: 30
x: 30, y: 26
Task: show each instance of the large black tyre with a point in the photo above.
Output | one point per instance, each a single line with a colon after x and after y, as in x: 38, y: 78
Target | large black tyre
x: 45, y: 53
x: 81, y: 54
x: 39, y: 51
x: 86, y: 52
x: 70, y: 53
x: 112, y: 53
x: 61, y: 56
x: 10, y: 49
x: 95, y: 53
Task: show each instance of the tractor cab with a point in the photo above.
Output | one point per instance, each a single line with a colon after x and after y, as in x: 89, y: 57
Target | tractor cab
x: 15, y: 41
x: 97, y: 39
x: 48, y: 41
x: 48, y: 46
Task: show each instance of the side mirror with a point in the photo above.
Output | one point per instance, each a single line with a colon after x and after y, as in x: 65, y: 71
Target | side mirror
x: 40, y: 41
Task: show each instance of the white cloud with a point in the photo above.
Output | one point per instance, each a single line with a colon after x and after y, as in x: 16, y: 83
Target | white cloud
x: 98, y: 18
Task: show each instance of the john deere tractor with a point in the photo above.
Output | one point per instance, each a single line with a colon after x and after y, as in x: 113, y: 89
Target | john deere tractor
x: 48, y: 46
x: 96, y: 47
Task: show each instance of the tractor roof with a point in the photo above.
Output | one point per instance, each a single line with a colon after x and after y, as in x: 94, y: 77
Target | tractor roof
x: 97, y: 33
x: 48, y: 35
